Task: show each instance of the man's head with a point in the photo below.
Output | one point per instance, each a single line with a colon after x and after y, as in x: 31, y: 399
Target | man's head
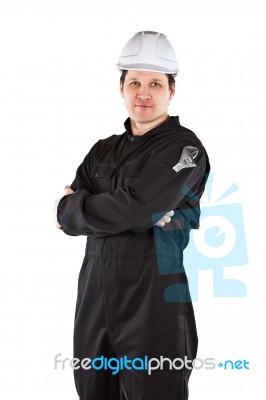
x: 146, y: 95
x: 148, y: 66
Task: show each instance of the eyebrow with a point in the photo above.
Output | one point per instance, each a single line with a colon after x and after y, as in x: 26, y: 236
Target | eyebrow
x: 152, y: 79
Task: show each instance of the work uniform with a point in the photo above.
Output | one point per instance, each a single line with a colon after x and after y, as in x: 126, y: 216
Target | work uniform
x: 128, y: 301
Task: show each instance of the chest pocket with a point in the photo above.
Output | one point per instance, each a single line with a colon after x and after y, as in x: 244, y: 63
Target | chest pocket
x: 103, y: 178
x: 131, y: 171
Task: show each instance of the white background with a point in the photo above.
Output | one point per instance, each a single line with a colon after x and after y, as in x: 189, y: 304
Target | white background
x: 58, y: 95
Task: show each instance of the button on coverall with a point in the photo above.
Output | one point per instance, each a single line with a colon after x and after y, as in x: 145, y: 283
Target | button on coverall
x: 122, y: 188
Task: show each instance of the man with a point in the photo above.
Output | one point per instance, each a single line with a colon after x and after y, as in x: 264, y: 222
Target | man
x: 133, y: 298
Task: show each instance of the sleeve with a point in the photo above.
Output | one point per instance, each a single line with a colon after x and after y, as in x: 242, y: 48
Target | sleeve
x: 83, y: 180
x: 130, y: 208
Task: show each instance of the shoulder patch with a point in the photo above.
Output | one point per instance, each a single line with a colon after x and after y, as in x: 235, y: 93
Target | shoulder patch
x: 189, y: 153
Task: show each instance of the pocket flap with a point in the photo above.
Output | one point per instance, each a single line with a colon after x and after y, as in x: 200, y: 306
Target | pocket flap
x: 103, y: 171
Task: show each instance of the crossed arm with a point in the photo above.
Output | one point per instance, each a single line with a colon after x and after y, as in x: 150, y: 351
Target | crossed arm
x: 130, y: 208
x: 67, y: 190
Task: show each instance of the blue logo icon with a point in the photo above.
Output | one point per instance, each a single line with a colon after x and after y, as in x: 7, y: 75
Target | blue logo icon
x: 218, y: 243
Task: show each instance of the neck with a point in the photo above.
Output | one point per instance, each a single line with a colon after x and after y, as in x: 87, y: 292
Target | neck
x: 139, y: 128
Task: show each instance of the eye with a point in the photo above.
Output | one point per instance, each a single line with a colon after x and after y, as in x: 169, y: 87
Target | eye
x: 134, y: 83
x: 155, y: 84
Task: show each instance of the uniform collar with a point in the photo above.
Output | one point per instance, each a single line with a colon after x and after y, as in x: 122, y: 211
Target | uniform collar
x: 169, y: 124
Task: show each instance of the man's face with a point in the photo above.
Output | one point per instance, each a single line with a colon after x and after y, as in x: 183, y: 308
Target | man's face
x: 146, y: 96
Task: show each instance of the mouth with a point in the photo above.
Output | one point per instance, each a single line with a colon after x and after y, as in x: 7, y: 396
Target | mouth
x: 143, y: 106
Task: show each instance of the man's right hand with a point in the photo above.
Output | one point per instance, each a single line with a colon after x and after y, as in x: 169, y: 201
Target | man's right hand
x: 68, y: 190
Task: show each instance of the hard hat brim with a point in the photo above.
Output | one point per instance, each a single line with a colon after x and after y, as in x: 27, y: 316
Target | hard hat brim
x: 147, y: 67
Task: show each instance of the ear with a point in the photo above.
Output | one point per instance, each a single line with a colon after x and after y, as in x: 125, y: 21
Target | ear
x: 121, y: 89
x: 172, y: 91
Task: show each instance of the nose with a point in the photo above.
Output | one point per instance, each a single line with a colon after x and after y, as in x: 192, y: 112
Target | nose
x: 144, y: 93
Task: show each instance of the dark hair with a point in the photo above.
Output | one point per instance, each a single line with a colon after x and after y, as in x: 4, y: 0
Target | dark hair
x: 171, y: 79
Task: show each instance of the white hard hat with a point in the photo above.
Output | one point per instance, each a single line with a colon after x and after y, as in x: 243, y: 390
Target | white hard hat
x: 148, y: 51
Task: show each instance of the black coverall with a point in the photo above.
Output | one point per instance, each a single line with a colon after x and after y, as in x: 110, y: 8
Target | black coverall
x: 122, y: 188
